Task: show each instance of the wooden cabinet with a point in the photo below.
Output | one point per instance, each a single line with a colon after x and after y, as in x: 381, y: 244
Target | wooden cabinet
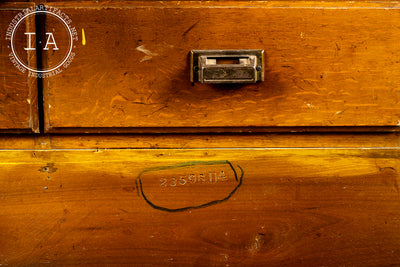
x: 18, y: 91
x: 136, y: 165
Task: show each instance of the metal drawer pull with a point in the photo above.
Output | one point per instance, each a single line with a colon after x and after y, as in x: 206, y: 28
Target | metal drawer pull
x: 227, y: 66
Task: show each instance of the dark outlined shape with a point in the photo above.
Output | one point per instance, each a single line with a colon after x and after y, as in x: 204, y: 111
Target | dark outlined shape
x: 186, y: 164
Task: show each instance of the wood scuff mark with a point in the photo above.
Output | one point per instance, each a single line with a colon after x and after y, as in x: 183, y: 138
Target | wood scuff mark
x: 149, y: 55
x: 49, y: 168
x: 256, y: 244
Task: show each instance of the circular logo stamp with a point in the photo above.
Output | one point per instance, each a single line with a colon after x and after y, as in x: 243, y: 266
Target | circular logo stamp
x: 52, y: 39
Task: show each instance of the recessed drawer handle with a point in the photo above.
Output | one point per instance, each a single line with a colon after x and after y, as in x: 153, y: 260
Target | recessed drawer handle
x: 227, y: 66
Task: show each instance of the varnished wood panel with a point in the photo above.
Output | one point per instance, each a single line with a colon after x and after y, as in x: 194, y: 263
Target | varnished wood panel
x: 156, y: 141
x: 18, y: 92
x: 306, y: 140
x: 327, y: 64
x: 294, y: 207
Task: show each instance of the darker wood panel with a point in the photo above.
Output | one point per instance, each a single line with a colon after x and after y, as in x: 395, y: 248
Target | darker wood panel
x: 295, y: 207
x: 18, y: 92
x: 322, y: 67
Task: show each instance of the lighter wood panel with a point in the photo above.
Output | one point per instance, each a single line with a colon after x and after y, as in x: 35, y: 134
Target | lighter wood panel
x: 293, y: 207
x: 285, y: 140
x: 327, y: 64
x: 225, y: 141
x: 18, y: 92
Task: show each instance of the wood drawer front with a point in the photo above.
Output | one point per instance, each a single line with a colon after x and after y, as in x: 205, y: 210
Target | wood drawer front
x: 18, y: 92
x: 294, y: 207
x: 327, y: 64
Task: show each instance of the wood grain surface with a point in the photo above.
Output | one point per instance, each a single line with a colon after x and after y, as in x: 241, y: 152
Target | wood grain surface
x: 327, y: 64
x: 18, y: 92
x: 294, y: 207
x: 188, y: 141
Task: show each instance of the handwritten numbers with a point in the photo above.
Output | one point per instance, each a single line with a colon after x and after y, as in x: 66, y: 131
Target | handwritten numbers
x: 191, y: 179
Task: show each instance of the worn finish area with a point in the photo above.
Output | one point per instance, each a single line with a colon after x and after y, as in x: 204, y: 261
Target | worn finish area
x: 18, y: 92
x: 327, y: 64
x: 302, y: 207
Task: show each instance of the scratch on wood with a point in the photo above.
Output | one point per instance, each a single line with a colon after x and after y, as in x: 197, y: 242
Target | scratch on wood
x: 190, y: 28
x: 118, y: 97
x: 157, y: 110
x: 149, y: 55
x: 256, y: 244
